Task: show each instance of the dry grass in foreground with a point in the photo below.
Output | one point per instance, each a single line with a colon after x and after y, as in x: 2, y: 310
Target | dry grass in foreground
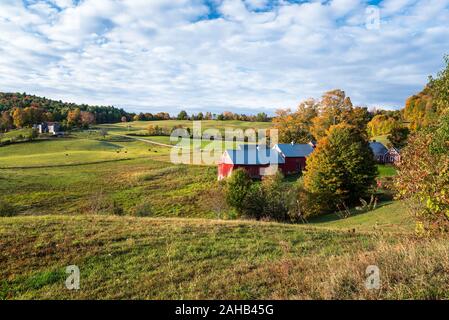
x: 144, y: 258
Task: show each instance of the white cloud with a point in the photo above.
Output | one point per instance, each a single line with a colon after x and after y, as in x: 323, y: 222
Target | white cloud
x: 165, y: 55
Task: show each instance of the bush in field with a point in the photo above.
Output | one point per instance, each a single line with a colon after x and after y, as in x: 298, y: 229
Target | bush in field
x: 6, y: 210
x: 261, y: 200
x: 117, y: 209
x: 341, y: 170
x: 143, y: 210
x: 254, y: 202
x: 423, y: 177
x: 304, y: 204
x: 276, y: 197
x: 214, y: 199
x: 237, y: 188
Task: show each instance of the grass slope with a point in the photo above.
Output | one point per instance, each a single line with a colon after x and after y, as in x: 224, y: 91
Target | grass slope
x: 388, y: 217
x: 156, y: 187
x: 126, y: 257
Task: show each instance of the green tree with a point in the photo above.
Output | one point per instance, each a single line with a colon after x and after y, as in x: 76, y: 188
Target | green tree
x: 342, y: 167
x: 398, y: 137
x: 183, y: 115
x: 237, y: 187
x: 261, y: 117
x: 254, y: 203
x: 276, y: 197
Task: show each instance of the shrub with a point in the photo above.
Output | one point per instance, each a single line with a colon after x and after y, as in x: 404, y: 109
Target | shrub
x: 237, y: 187
x: 6, y: 210
x: 266, y: 200
x: 117, y: 209
x: 305, y: 204
x: 276, y: 197
x: 255, y: 202
x: 214, y: 199
x: 143, y: 210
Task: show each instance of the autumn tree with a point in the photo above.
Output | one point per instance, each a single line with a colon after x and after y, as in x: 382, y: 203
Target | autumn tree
x: 342, y: 169
x: 19, y: 118
x: 295, y: 126
x: 74, y: 117
x: 6, y: 121
x: 423, y: 177
x: 425, y: 108
x: 334, y: 108
x: 439, y: 88
x: 33, y: 115
x: 382, y: 125
x: 420, y: 111
x: 398, y: 137
x: 87, y: 119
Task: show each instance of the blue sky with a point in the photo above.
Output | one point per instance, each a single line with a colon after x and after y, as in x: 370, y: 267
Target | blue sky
x: 234, y: 55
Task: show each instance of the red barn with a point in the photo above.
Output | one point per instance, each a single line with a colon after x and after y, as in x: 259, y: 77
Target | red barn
x: 254, y: 160
x: 295, y: 156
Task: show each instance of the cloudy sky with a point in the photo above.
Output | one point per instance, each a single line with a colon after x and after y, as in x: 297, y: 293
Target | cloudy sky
x: 235, y: 55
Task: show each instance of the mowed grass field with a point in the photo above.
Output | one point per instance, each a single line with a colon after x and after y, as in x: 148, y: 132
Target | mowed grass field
x: 141, y: 227
x: 142, y: 126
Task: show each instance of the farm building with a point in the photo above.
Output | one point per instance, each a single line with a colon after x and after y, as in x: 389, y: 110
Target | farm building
x: 393, y: 155
x: 253, y: 159
x: 295, y: 156
x: 384, y: 155
x: 47, y: 127
x: 289, y: 158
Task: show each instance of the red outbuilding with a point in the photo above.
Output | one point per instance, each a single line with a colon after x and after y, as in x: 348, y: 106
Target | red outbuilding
x: 295, y: 156
x: 256, y: 161
x: 288, y: 158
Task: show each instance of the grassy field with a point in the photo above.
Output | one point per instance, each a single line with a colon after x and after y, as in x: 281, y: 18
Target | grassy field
x: 141, y: 126
x: 147, y: 258
x: 139, y: 226
x: 15, y: 134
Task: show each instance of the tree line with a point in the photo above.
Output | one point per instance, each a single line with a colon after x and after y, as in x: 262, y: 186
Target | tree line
x: 313, y: 117
x: 19, y: 110
x: 227, y: 115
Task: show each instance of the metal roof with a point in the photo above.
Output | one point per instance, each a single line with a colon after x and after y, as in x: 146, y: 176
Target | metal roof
x: 253, y: 156
x: 378, y: 148
x: 294, y: 150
